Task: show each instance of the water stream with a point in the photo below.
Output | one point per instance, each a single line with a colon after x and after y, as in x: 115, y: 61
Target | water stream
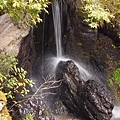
x: 57, y: 14
x: 57, y: 26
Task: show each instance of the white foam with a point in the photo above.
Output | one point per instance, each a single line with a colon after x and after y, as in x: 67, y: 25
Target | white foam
x: 116, y: 112
x: 84, y: 73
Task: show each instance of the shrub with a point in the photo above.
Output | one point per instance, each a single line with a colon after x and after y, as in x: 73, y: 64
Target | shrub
x: 26, y: 11
x: 116, y: 77
x: 95, y: 11
x: 13, y: 79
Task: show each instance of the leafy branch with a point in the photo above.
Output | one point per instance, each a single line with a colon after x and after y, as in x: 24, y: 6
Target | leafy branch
x: 12, y: 78
x: 95, y: 11
x: 25, y: 11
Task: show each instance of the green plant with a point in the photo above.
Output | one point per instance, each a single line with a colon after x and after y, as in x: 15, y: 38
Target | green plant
x: 79, y: 44
x: 116, y: 77
x: 114, y: 83
x: 25, y: 11
x: 113, y: 6
x: 12, y: 78
x: 6, y: 63
x: 95, y: 11
x: 29, y: 117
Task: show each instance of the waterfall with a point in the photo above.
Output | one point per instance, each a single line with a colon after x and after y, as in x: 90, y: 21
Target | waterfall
x: 57, y: 26
x: 49, y: 63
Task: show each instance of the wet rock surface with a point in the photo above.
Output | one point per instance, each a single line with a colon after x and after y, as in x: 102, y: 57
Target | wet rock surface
x: 37, y: 107
x: 69, y: 73
x: 97, y: 103
x: 89, y: 100
x: 26, y: 56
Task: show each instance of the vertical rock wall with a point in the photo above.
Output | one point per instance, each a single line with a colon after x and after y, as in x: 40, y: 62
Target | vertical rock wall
x: 27, y: 54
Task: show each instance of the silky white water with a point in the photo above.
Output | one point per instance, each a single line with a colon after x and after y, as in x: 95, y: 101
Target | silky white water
x: 116, y: 112
x: 53, y: 62
x: 57, y: 26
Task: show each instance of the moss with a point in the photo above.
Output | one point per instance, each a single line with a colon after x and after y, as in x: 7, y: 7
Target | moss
x: 46, y: 113
x: 79, y: 44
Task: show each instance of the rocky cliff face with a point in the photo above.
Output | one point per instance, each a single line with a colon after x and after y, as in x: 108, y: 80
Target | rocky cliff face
x: 27, y: 54
x: 10, y: 35
x: 17, y: 40
x: 78, y: 40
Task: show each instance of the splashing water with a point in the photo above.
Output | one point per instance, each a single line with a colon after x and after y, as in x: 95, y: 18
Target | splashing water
x: 116, y: 113
x: 53, y: 62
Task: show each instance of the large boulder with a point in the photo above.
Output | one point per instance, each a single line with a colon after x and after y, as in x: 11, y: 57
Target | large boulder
x: 71, y: 80
x: 89, y: 99
x: 11, y: 35
x: 97, y: 102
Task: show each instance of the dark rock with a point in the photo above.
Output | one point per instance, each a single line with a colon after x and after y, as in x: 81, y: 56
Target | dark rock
x: 97, y: 102
x: 68, y: 91
x: 26, y: 56
x: 87, y: 99
x: 69, y: 72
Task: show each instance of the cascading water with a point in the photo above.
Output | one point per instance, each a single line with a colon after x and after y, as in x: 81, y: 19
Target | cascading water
x: 57, y: 27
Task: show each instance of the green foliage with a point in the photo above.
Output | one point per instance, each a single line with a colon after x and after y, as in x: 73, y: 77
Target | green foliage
x: 79, y: 44
x: 116, y: 77
x: 26, y: 11
x: 6, y: 63
x: 99, y: 10
x: 114, y: 83
x: 29, y: 117
x: 12, y: 78
x: 113, y: 6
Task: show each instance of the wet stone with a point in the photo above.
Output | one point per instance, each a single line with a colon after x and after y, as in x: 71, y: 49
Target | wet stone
x: 87, y: 99
x: 37, y: 108
x: 97, y: 102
